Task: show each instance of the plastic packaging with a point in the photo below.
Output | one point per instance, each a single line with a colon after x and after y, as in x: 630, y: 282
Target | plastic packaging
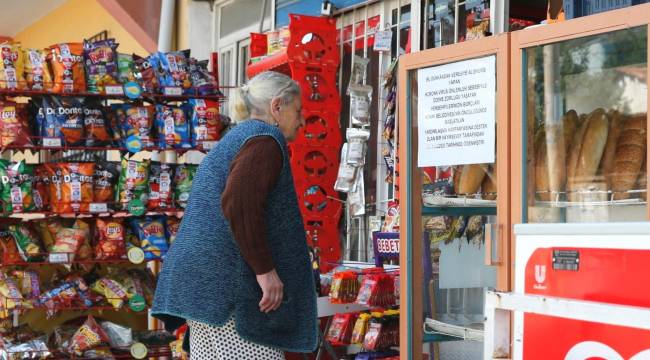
x: 357, y: 198
x: 359, y: 69
x: 16, y: 191
x: 133, y: 183
x: 360, y: 100
x: 67, y: 65
x: 100, y: 59
x: 37, y: 70
x: 11, y: 67
x: 357, y: 146
x: 173, y: 127
x: 347, y: 174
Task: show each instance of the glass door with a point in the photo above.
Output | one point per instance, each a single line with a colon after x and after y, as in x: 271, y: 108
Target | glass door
x: 454, y: 135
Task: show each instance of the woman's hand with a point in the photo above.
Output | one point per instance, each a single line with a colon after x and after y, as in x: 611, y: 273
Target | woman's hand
x: 272, y: 291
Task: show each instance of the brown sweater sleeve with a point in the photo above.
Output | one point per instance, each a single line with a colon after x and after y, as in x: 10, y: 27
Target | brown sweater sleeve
x: 253, y: 173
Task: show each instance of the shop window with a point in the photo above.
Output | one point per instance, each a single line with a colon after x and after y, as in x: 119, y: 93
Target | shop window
x: 440, y: 26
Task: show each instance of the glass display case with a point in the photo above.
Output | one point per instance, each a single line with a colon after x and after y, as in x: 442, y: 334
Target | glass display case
x: 454, y: 131
x: 580, y: 119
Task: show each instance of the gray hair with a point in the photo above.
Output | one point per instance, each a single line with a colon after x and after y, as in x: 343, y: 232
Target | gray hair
x: 256, y: 96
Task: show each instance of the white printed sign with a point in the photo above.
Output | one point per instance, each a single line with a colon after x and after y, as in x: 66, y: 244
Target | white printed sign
x: 456, y: 113
x: 383, y: 40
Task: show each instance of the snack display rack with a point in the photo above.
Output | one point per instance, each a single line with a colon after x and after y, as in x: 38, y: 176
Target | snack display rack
x: 32, y: 311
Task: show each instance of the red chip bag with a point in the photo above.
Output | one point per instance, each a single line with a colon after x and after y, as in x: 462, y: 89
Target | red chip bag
x: 71, y: 188
x: 89, y: 336
x: 110, y: 244
x: 68, y: 241
x: 13, y: 125
x: 67, y: 64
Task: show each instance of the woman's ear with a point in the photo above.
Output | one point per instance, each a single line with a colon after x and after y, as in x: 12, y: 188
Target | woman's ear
x: 275, y: 107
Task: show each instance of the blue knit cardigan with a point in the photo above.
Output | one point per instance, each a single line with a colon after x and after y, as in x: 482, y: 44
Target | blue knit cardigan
x: 204, y: 277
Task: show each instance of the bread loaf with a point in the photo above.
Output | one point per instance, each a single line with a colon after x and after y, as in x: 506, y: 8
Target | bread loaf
x: 489, y: 185
x: 471, y: 178
x: 630, y: 155
x: 542, y: 188
x: 590, y: 152
x: 576, y: 145
x: 642, y: 181
x: 609, y: 154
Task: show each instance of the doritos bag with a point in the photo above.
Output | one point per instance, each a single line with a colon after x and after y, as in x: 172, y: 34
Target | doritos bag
x: 95, y: 124
x: 13, y: 125
x: 106, y: 175
x: 41, y: 186
x: 145, y: 73
x: 172, y: 127
x: 206, y: 123
x: 11, y: 67
x: 71, y: 187
x: 67, y: 64
x: 63, y: 120
x: 101, y: 64
x: 16, y: 191
x: 37, y: 70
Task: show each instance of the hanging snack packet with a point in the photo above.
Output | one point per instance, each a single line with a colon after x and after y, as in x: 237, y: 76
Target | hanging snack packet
x: 60, y: 297
x: 206, y: 123
x: 360, y: 329
x: 133, y: 182
x: 90, y: 335
x: 71, y: 188
x: 110, y: 244
x: 151, y: 232
x: 106, y: 175
x: 10, y: 295
x: 136, y: 121
x: 357, y: 146
x: 67, y: 64
x: 145, y: 73
x: 172, y: 127
x: 85, y: 250
x: 11, y: 67
x: 27, y: 242
x: 101, y: 64
x: 9, y: 248
x: 28, y: 283
x: 125, y: 68
x: 14, y: 129
x: 203, y: 82
x: 68, y: 241
x: 347, y: 174
x: 63, y: 119
x: 359, y: 70
x: 174, y: 70
x: 114, y: 292
x: 183, y: 177
x: 16, y: 192
x: 95, y: 124
x: 40, y: 191
x: 360, y: 100
x: 37, y: 71
x: 171, y: 228
x: 160, y: 186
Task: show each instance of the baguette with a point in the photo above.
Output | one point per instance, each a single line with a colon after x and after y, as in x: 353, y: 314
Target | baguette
x: 609, y: 154
x: 642, y: 181
x: 594, y: 136
x: 489, y: 185
x: 471, y: 178
x: 576, y: 146
x: 630, y: 155
x: 542, y: 187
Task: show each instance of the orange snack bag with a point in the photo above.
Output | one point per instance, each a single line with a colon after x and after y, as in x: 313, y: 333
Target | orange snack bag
x: 37, y: 70
x: 67, y: 64
x: 71, y: 186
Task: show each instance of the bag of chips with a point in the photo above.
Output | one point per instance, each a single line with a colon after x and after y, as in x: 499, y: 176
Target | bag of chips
x: 28, y: 244
x: 125, y: 68
x: 10, y: 295
x: 171, y: 228
x: 113, y: 291
x: 133, y: 182
x: 160, y: 186
x: 16, y: 192
x: 37, y: 71
x: 173, y: 70
x: 67, y: 64
x: 202, y: 81
x: 183, y: 177
x: 110, y: 240
x: 151, y: 232
x: 101, y: 64
x: 9, y: 248
x: 145, y: 73
x: 106, y: 175
x: 85, y: 250
x: 90, y: 335
x: 206, y: 123
x: 172, y: 127
x: 62, y: 119
x: 95, y: 124
x: 11, y: 67
x: 14, y: 129
x: 71, y: 186
x: 68, y: 241
x: 28, y: 283
x: 134, y: 120
x: 40, y: 191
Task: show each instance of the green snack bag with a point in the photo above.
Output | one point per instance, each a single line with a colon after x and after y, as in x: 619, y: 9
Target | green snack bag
x: 133, y: 183
x: 27, y: 242
x: 125, y: 68
x: 183, y: 177
x: 16, y: 192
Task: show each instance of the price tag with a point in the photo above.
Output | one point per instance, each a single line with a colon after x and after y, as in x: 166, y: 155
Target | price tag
x: 173, y: 91
x: 133, y: 90
x: 136, y: 207
x: 98, y: 207
x: 208, y: 145
x: 114, y: 90
x: 137, y: 303
x: 383, y: 40
x: 139, y: 351
x: 51, y: 142
x: 470, y: 4
x: 58, y: 258
x: 135, y: 255
x: 388, y: 246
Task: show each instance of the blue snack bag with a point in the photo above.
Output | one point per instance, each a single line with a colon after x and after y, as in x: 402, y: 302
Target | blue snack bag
x: 172, y: 126
x: 173, y: 70
x: 151, y: 233
x: 63, y: 120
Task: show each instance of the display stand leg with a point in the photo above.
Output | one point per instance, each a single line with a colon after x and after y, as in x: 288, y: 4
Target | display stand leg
x: 322, y: 343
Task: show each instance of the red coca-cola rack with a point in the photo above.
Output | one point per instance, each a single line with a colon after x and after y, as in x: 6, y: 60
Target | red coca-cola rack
x: 312, y: 59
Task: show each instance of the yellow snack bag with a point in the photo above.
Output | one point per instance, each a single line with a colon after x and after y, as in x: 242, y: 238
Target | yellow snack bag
x: 37, y: 70
x: 11, y: 67
x: 113, y: 291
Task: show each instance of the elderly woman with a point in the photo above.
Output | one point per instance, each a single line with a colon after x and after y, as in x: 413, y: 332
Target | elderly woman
x: 239, y: 271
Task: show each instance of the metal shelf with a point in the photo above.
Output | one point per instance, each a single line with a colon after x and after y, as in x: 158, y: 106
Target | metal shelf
x: 459, y: 211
